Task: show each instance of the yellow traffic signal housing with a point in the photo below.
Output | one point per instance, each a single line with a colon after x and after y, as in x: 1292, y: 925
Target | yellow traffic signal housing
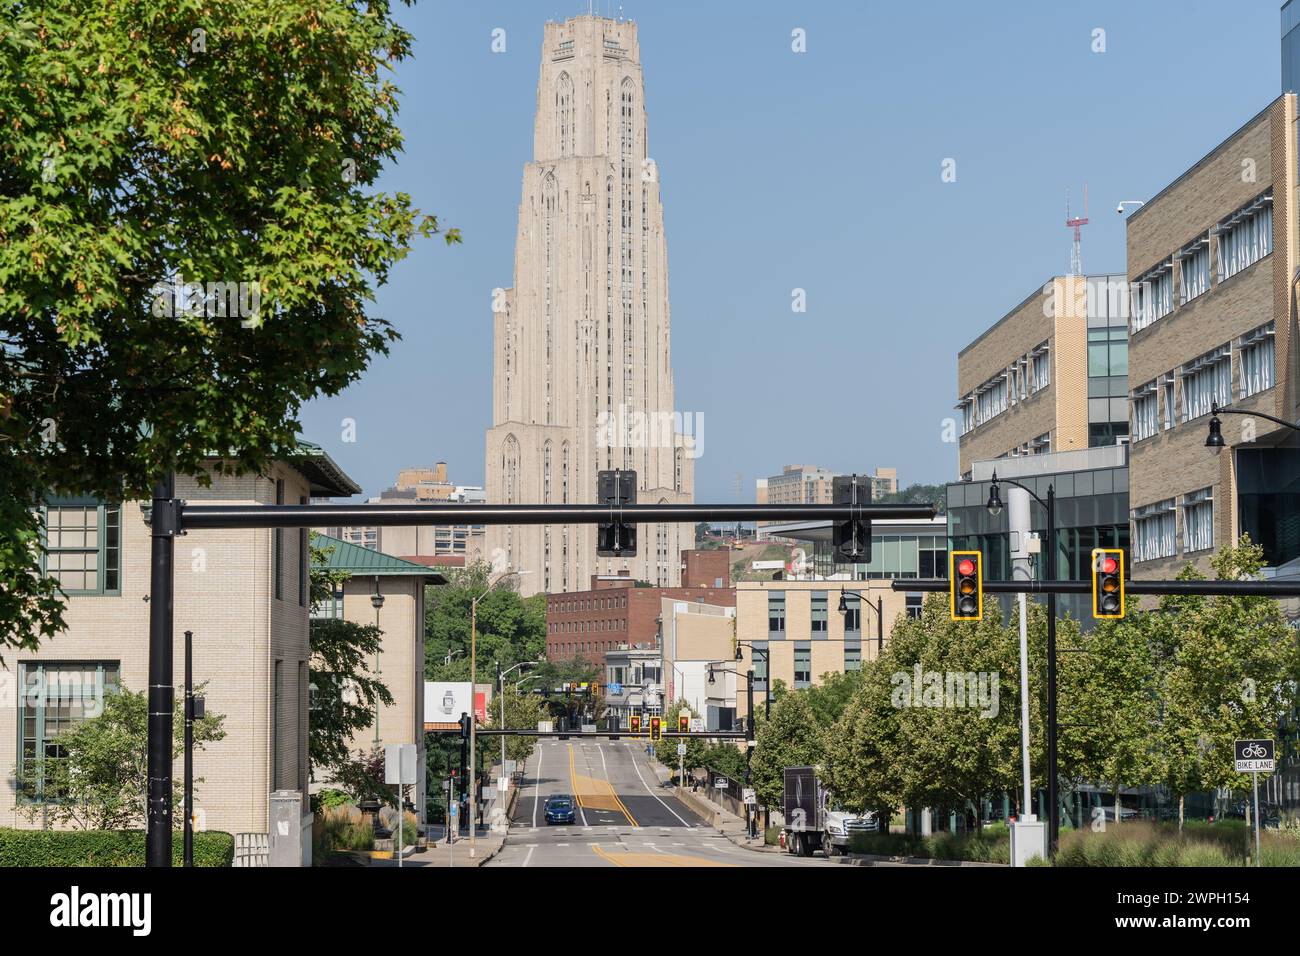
x: 966, y: 585
x: 683, y: 723
x: 635, y: 721
x: 656, y: 728
x: 1107, y: 583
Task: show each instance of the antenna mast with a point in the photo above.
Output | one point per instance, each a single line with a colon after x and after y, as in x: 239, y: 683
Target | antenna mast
x: 1076, y: 223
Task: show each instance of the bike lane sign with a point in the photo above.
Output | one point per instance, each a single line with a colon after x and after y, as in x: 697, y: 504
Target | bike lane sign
x: 1253, y: 755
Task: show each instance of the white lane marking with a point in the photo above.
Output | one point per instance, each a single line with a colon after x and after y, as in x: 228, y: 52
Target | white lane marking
x: 652, y: 793
x: 605, y: 768
x: 537, y: 788
x: 561, y: 844
x: 531, y: 848
x: 576, y: 799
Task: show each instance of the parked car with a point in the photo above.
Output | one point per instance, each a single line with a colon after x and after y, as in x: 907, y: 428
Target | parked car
x: 560, y: 809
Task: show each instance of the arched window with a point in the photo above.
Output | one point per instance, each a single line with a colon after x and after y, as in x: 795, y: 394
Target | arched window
x: 564, y: 113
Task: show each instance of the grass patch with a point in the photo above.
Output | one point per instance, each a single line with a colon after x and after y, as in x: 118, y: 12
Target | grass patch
x: 992, y: 845
x: 1143, y: 843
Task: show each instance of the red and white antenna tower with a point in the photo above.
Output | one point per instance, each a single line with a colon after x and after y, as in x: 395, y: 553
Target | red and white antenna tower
x: 1076, y: 223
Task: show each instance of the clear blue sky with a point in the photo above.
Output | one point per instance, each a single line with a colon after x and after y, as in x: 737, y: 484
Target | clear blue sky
x: 818, y: 170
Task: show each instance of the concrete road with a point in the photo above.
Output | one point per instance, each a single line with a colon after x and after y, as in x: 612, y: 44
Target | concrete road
x: 624, y: 817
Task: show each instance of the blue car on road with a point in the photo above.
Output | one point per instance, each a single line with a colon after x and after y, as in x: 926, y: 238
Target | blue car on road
x: 560, y: 809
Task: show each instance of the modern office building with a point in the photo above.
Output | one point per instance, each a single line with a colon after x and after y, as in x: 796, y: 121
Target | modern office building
x: 1291, y: 47
x: 582, y: 359
x: 618, y: 611
x: 1213, y: 260
x: 244, y: 593
x: 397, y: 587
x: 1050, y: 375
x: 795, y: 631
x: 632, y: 684
x: 1092, y: 507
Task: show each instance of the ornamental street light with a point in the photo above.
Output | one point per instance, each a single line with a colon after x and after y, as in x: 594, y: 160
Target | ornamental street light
x: 1215, y: 438
x: 995, y: 508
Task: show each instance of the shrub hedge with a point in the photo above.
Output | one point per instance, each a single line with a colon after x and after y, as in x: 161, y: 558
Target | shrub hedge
x: 104, y: 848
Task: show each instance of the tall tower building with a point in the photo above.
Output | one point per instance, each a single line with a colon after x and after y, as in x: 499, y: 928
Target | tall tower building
x: 582, y: 377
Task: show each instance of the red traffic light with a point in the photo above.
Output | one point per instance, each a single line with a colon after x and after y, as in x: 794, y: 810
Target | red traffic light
x: 966, y: 566
x: 1109, y: 565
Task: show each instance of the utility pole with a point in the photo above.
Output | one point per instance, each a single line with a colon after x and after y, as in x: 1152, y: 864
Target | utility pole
x: 164, y: 522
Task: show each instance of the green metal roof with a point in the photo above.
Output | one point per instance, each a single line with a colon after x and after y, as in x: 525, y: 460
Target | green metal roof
x: 360, y: 561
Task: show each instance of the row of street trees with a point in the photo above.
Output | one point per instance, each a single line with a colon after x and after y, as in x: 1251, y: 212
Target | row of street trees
x: 1156, y: 698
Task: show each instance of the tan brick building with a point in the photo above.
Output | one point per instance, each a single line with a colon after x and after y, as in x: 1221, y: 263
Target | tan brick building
x: 1050, y: 375
x: 244, y: 593
x: 400, y: 662
x: 1213, y: 259
x: 803, y: 631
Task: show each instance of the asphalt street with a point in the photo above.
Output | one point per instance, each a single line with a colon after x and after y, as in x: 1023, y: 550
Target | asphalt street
x: 624, y: 817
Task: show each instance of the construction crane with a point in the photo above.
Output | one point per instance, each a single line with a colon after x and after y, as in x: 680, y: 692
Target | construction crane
x: 1077, y: 223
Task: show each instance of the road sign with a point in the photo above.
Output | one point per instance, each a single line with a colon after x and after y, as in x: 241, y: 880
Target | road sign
x: 749, y: 797
x: 720, y: 783
x: 615, y: 689
x: 1253, y: 755
x: 697, y: 725
x: 399, y: 763
x: 681, y: 750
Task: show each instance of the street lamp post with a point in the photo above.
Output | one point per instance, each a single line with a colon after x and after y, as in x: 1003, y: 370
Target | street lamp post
x: 1215, y: 438
x: 995, y: 508
x: 880, y: 618
x: 501, y: 692
x: 473, y: 717
x: 749, y: 722
x: 750, y: 742
x: 377, y: 602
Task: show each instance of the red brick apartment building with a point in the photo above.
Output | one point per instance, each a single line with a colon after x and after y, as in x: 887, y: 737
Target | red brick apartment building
x: 615, y: 612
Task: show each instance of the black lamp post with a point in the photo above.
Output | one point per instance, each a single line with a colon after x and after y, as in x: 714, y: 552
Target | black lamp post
x: 1053, y: 797
x: 1215, y: 438
x: 879, y: 608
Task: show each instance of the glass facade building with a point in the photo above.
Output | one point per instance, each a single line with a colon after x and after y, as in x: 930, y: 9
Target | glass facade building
x: 1290, y: 47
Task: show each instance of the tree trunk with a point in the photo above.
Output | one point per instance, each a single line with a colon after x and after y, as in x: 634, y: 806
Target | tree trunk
x: 1181, y: 801
x: 1118, y: 817
x: 1247, y: 814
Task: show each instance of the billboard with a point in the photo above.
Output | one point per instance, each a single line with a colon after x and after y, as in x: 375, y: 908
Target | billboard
x: 444, y: 702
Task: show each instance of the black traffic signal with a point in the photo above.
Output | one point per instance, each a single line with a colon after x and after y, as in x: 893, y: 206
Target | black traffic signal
x: 616, y: 488
x: 464, y: 726
x: 966, y: 584
x: 656, y: 728
x: 683, y: 723
x: 635, y: 723
x: 1107, y: 582
x: 852, y: 538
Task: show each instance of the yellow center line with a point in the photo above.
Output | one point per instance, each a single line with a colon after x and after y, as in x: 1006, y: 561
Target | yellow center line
x: 633, y: 858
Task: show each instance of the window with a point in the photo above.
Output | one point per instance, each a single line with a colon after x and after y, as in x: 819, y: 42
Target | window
x: 802, y: 665
x: 852, y: 656
x: 1042, y: 445
x: 1198, y: 520
x: 56, y: 698
x: 83, y: 546
x: 932, y: 562
x: 1153, y: 531
x: 1040, y: 373
x: 1206, y: 380
x: 1194, y: 268
x: 758, y: 657
x: 991, y: 399
x: 1258, y: 362
x: 1146, y: 420
x: 853, y: 614
x: 915, y: 604
x: 819, y: 613
x: 332, y: 609
x: 776, y: 612
x: 1153, y: 295
x: 1167, y: 387
x: 1246, y: 236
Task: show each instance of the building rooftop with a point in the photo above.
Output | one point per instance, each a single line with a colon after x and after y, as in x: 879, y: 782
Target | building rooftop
x: 345, y: 556
x: 326, y: 477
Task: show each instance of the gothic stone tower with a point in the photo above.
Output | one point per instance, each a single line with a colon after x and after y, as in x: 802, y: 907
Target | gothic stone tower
x: 582, y: 379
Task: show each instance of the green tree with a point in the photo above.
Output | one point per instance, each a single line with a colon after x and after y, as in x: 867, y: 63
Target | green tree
x: 791, y: 738
x: 829, y: 697
x: 345, y: 693
x: 97, y: 777
x: 666, y: 747
x: 154, y: 157
x: 510, y: 629
x: 1230, y: 670
x: 863, y: 748
x: 521, y: 710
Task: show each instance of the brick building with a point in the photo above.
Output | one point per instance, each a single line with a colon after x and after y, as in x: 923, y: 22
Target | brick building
x: 1213, y: 258
x: 1050, y: 375
x: 615, y: 612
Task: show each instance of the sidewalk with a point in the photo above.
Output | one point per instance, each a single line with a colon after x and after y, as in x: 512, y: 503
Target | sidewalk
x: 724, y: 821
